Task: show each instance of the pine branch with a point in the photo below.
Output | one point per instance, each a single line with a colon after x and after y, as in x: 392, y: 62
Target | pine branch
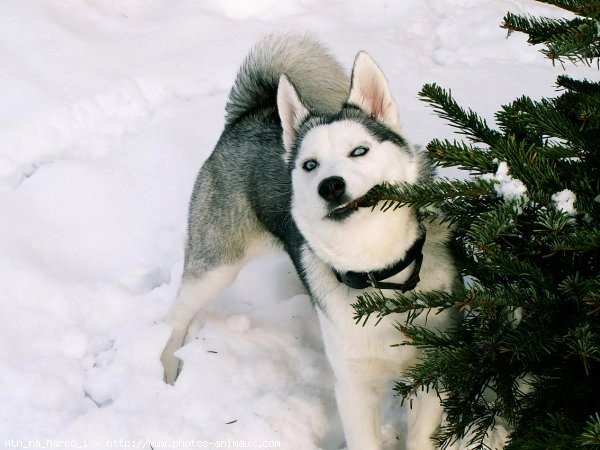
x: 584, y: 345
x: 487, y: 231
x: 541, y: 119
x: 580, y: 241
x: 587, y: 8
x: 532, y: 308
x: 545, y: 432
x: 570, y: 5
x: 414, y: 303
x: 592, y: 297
x: 575, y: 39
x: 471, y: 413
x: 540, y: 30
x: 434, y: 194
x: 578, y: 86
x: 591, y: 435
x: 466, y: 121
x: 461, y: 155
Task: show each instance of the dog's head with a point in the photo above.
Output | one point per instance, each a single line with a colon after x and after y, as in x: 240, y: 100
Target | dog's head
x: 335, y: 160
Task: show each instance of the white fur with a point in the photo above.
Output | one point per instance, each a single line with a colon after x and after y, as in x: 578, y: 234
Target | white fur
x: 363, y: 358
x: 370, y: 240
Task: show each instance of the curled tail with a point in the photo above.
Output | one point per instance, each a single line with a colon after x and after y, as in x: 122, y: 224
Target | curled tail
x: 320, y: 80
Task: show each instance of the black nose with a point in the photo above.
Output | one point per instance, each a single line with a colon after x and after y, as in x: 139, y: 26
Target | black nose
x: 332, y: 188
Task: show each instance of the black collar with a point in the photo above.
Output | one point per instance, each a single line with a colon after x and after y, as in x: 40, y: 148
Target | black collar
x: 361, y: 280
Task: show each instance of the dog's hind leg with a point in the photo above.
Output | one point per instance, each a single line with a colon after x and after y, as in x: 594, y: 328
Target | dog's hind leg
x: 212, y: 264
x: 223, y: 234
x: 196, y: 290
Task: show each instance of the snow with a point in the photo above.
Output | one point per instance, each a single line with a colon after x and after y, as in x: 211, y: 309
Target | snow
x: 507, y: 187
x: 108, y: 110
x: 565, y: 201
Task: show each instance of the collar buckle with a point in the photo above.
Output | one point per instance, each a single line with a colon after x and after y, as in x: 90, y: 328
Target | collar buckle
x: 408, y: 285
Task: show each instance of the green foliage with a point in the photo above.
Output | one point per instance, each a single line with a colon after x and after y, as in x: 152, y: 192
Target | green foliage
x: 591, y: 436
x: 572, y: 39
x: 466, y: 121
x: 527, y: 349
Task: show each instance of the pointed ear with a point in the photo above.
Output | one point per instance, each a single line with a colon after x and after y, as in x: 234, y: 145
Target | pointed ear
x: 370, y: 92
x: 291, y: 111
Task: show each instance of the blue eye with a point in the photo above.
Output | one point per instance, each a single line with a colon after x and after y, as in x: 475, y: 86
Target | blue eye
x: 359, y: 151
x: 309, y: 165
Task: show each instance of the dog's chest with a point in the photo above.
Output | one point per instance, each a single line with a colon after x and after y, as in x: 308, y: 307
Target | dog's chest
x: 345, y: 338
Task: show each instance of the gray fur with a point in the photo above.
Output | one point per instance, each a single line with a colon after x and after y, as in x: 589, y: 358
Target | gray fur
x: 238, y: 200
x: 319, y: 79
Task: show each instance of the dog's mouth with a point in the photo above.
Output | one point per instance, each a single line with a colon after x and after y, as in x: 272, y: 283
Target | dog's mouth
x: 344, y: 211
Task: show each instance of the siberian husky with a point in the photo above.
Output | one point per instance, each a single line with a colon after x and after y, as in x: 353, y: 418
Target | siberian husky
x: 302, y: 145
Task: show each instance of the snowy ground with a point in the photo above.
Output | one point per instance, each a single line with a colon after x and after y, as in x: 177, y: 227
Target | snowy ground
x: 108, y: 108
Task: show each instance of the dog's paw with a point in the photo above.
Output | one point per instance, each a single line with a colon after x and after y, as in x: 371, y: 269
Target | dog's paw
x: 390, y: 439
x: 171, y: 365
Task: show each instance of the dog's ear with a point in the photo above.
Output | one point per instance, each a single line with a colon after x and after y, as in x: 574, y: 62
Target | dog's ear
x: 291, y: 111
x: 370, y: 92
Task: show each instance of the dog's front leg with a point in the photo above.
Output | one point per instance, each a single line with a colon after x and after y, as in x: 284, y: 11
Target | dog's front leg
x: 359, y: 383
x: 359, y: 404
x: 424, y: 417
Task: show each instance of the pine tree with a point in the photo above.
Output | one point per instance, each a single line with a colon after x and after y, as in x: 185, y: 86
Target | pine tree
x: 526, y: 228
